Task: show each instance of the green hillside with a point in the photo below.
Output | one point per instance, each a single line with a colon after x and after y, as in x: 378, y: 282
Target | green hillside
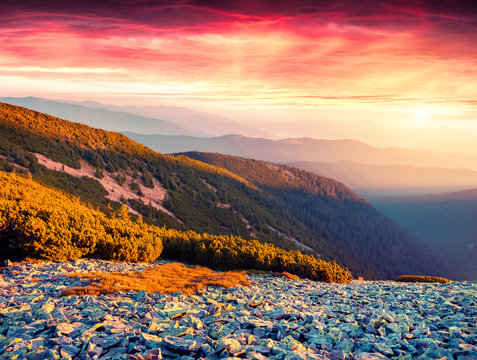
x: 40, y: 222
x: 342, y: 224
x: 245, y: 198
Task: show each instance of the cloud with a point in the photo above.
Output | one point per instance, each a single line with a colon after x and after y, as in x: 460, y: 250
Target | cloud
x: 280, y: 51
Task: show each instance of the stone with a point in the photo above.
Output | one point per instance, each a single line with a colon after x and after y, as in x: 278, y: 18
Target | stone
x: 181, y: 344
x: 274, y: 319
x: 151, y: 341
x: 7, y: 263
x: 228, y: 344
x: 369, y: 356
x: 384, y: 349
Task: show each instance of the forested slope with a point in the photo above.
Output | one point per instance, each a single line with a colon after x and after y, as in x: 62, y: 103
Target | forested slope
x: 341, y: 223
x: 40, y: 222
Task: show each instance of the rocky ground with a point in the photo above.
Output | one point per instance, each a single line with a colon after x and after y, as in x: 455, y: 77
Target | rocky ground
x: 275, y: 318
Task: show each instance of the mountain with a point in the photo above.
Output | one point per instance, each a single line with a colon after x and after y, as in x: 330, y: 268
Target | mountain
x: 434, y: 138
x: 104, y: 118
x: 445, y: 221
x: 292, y: 150
x: 375, y: 180
x: 323, y: 203
x: 285, y: 206
x: 206, y: 122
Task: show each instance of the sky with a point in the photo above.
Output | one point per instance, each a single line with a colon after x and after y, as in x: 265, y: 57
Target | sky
x: 410, y: 64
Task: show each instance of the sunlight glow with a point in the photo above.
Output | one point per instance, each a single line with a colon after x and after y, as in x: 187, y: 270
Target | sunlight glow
x: 421, y: 117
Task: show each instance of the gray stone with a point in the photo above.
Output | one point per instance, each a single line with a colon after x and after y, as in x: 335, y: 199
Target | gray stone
x: 151, y: 341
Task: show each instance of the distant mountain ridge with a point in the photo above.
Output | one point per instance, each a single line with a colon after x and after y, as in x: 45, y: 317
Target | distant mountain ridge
x: 263, y: 203
x: 293, y: 150
x: 208, y: 123
x: 165, y: 120
x: 103, y: 118
x: 462, y: 195
x: 375, y: 180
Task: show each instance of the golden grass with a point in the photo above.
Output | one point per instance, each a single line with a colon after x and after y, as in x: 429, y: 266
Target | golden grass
x: 287, y: 275
x: 166, y: 279
x: 426, y: 279
x: 263, y: 272
x: 250, y: 271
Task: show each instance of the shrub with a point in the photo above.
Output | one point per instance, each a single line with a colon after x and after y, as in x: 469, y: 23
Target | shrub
x: 231, y: 252
x: 426, y: 279
x: 40, y: 222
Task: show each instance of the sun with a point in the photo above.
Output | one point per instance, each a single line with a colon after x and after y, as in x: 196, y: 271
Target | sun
x: 420, y: 117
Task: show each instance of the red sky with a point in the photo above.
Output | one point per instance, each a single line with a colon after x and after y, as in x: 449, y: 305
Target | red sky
x: 415, y: 60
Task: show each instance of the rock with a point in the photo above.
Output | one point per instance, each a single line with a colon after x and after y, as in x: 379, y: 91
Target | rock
x: 454, y: 331
x: 71, y: 350
x: 207, y: 350
x: 181, y: 344
x: 34, y: 344
x: 273, y: 319
x: 346, y: 345
x: 154, y: 354
x: 369, y: 356
x: 370, y: 329
x: 384, y: 349
x: 151, y: 341
x: 70, y: 329
x: 228, y: 344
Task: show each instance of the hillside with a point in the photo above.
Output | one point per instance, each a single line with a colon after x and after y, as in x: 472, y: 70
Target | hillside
x: 445, y: 221
x: 284, y: 206
x: 43, y: 223
x: 374, y: 180
x: 341, y: 222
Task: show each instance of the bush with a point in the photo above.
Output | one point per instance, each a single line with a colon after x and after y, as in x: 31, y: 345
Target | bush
x: 231, y: 252
x: 40, y: 222
x: 426, y: 279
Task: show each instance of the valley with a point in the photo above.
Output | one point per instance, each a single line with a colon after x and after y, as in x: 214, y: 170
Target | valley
x: 445, y: 221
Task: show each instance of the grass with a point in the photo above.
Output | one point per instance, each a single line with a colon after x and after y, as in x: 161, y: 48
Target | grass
x: 287, y: 275
x: 166, y: 279
x: 426, y: 279
x: 263, y: 272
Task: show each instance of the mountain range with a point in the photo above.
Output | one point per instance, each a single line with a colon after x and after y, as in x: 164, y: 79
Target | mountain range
x: 103, y: 118
x: 211, y: 124
x: 213, y: 193
x: 374, y: 180
x: 166, y: 120
x: 296, y: 149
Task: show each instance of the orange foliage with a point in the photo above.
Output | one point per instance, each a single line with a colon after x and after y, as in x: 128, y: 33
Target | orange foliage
x: 287, y: 275
x: 166, y: 279
x: 425, y: 279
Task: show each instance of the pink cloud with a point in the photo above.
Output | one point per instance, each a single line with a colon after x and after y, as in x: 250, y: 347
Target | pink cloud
x: 289, y: 51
